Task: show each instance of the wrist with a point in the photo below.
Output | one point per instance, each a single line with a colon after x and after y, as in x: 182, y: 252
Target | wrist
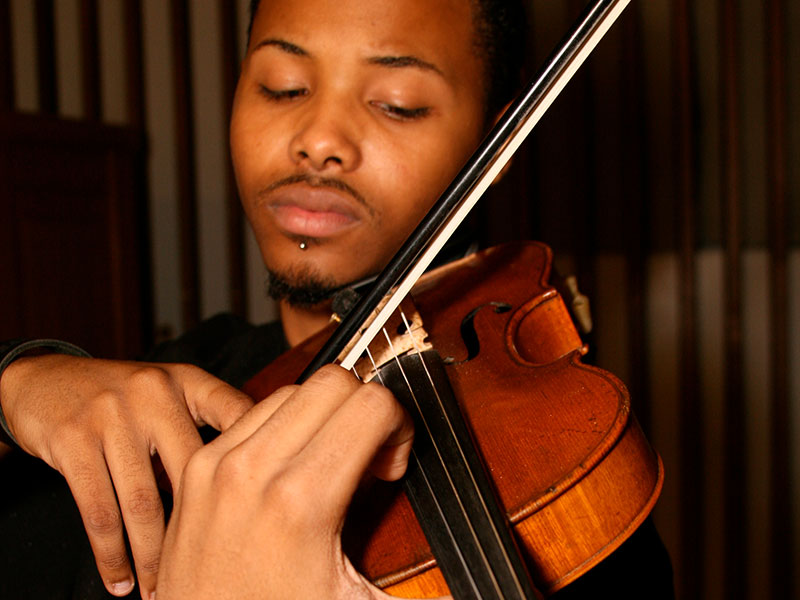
x: 15, y: 349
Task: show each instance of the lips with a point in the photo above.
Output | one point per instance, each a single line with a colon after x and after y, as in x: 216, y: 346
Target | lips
x: 314, y: 212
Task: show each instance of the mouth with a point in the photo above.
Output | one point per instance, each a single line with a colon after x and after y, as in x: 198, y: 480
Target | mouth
x: 303, y: 211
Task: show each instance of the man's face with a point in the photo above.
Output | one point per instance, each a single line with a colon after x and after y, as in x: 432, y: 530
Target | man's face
x: 350, y: 118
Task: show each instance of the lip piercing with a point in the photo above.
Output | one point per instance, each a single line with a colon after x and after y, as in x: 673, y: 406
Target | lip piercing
x: 303, y: 246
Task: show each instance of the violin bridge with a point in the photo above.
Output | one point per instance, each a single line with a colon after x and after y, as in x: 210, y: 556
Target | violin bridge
x: 404, y: 340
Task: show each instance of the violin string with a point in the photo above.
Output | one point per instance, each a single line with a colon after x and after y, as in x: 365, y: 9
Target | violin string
x: 435, y: 445
x: 441, y: 460
x: 374, y: 367
x: 485, y: 508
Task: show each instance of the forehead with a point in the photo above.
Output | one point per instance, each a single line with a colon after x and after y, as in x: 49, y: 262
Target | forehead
x: 439, y: 31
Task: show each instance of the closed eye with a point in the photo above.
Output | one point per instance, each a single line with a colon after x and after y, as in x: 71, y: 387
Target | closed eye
x: 399, y: 113
x: 282, y: 94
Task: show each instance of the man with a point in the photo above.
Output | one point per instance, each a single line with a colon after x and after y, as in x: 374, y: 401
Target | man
x: 349, y: 119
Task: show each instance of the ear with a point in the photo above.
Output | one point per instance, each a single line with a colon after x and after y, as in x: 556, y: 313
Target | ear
x: 505, y: 169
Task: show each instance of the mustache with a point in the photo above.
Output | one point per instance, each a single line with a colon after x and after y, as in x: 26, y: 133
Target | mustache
x: 321, y: 182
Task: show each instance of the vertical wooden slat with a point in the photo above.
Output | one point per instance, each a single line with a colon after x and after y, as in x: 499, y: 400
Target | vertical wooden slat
x: 6, y: 58
x: 636, y: 214
x: 236, y: 249
x: 781, y: 548
x: 692, y: 449
x: 187, y: 192
x: 134, y: 63
x: 90, y: 61
x: 735, y: 475
x: 137, y: 118
x: 584, y: 199
x: 46, y: 56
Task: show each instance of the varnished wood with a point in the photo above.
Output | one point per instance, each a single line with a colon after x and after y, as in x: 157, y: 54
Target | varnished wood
x: 574, y: 472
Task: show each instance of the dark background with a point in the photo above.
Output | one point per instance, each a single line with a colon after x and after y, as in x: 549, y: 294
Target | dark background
x: 665, y: 177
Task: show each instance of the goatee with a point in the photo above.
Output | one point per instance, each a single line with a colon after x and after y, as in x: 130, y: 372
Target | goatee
x: 302, y: 290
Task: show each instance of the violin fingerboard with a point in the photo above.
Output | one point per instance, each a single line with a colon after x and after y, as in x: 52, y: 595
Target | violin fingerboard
x: 449, y: 490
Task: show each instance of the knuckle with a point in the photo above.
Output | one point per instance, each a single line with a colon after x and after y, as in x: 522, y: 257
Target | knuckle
x: 113, y: 561
x: 291, y: 496
x: 379, y: 401
x: 200, y: 463
x: 235, y: 468
x: 102, y: 519
x: 150, y: 379
x: 144, y: 505
x: 335, y: 376
x: 70, y: 434
x: 148, y: 565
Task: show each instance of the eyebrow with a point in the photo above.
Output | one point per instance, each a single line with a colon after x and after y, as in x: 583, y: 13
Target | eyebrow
x: 283, y: 45
x: 398, y: 62
x: 392, y: 62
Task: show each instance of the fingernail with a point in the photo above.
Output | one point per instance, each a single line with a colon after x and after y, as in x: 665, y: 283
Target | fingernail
x: 122, y: 587
x: 152, y: 595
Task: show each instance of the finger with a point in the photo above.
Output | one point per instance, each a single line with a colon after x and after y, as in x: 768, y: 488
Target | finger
x: 211, y: 401
x: 251, y: 421
x: 140, y: 503
x: 176, y: 439
x: 88, y: 478
x: 260, y: 448
x: 281, y: 425
x: 300, y: 417
x: 371, y: 421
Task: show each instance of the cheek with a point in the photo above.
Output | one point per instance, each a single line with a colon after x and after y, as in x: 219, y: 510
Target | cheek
x: 420, y: 176
x: 254, y: 153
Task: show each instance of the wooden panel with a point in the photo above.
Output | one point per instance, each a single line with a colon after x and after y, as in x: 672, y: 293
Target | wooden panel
x: 187, y: 184
x: 236, y: 248
x: 6, y: 63
x: 781, y: 522
x: 691, y: 445
x: 90, y: 60
x: 46, y: 56
x: 636, y: 216
x: 70, y: 262
x: 735, y: 480
x: 134, y: 61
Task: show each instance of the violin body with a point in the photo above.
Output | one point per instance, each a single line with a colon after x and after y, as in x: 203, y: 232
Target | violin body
x: 572, y: 469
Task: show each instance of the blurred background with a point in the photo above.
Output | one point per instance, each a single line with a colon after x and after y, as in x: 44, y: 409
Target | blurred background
x: 665, y: 177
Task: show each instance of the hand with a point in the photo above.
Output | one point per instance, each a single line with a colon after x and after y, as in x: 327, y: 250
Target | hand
x: 261, y: 508
x: 100, y: 423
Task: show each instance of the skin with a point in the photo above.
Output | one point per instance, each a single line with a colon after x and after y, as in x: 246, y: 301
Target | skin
x: 349, y: 119
x: 99, y: 423
x: 374, y: 107
x: 232, y: 500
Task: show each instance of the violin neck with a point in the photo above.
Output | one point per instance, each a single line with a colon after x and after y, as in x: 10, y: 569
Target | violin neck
x: 449, y: 490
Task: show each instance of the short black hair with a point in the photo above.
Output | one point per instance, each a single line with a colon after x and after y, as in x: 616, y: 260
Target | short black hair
x: 500, y: 28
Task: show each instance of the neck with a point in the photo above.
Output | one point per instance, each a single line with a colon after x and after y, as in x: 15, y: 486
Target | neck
x: 302, y: 322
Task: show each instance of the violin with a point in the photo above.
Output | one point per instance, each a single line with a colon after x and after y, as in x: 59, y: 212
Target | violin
x: 528, y: 467
x: 573, y: 472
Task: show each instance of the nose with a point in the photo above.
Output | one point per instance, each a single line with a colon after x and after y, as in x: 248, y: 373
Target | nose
x: 326, y: 137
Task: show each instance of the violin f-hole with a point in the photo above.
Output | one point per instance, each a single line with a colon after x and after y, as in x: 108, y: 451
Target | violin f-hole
x: 468, y: 333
